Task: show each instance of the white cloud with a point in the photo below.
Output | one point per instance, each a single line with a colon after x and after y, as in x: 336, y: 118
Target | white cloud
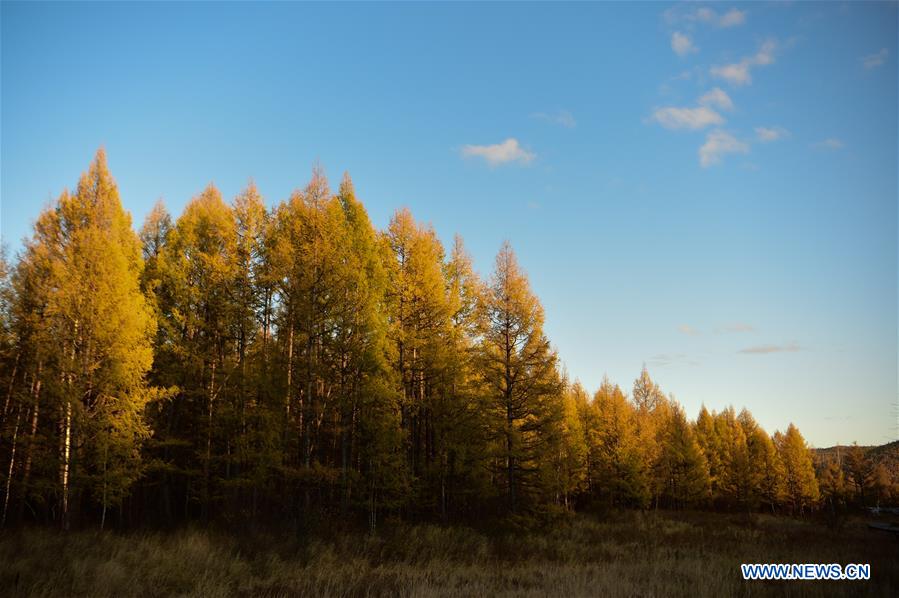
x: 830, y: 143
x: 717, y: 144
x: 735, y: 74
x: 682, y: 44
x: 704, y: 14
x: 717, y: 97
x: 736, y: 327
x: 562, y: 117
x: 732, y: 18
x: 500, y: 153
x: 873, y: 61
x: 768, y: 134
x: 687, y: 118
x: 739, y: 73
x: 765, y: 55
x: 688, y: 330
x: 666, y: 359
x: 766, y: 349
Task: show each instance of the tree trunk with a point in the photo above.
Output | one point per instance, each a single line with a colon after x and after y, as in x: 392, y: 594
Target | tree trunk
x: 207, y: 467
x: 289, y: 373
x: 510, y: 421
x: 12, y: 464
x: 67, y: 433
x: 66, y: 463
x: 29, y: 455
x: 12, y: 379
x: 103, y: 513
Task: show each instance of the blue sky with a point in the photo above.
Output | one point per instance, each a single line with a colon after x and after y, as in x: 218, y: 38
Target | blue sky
x: 710, y: 189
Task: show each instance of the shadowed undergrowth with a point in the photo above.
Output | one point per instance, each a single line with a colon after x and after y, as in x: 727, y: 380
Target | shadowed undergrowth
x: 627, y: 554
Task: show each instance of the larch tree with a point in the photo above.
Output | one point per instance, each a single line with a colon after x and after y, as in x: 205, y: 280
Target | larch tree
x: 461, y: 431
x: 92, y: 331
x: 758, y: 445
x: 32, y: 456
x: 654, y: 412
x: 306, y: 254
x: 564, y: 461
x: 707, y: 436
x: 250, y: 366
x: 13, y: 362
x: 618, y: 468
x: 368, y: 403
x: 735, y: 479
x: 198, y: 266
x: 681, y: 470
x: 247, y: 412
x: 770, y: 469
x: 339, y: 406
x: 421, y: 332
x: 520, y: 371
x: 800, y: 484
x: 832, y: 485
x: 859, y: 471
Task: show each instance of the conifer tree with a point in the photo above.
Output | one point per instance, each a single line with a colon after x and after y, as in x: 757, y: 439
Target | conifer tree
x: 91, y: 331
x: 735, y: 485
x: 800, y: 484
x: 618, y: 471
x: 519, y: 369
x: 460, y: 424
x: 832, y: 484
x: 681, y: 468
x: 859, y: 472
x: 770, y: 467
x: 707, y: 437
x: 421, y: 331
x: 198, y: 264
x: 654, y: 413
x: 368, y: 400
x: 565, y: 457
x: 306, y: 365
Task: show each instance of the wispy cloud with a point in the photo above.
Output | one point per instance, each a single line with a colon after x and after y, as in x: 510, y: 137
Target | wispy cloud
x: 562, y: 117
x: 740, y: 73
x: 501, y: 153
x: 872, y: 61
x: 844, y: 418
x: 666, y: 359
x: 687, y: 118
x: 682, y: 44
x: 767, y: 349
x: 735, y: 327
x: 736, y: 74
x: 705, y: 15
x: 831, y: 143
x: 769, y: 134
x: 765, y: 55
x: 718, y: 98
x: 688, y: 330
x: 719, y: 143
x: 732, y: 18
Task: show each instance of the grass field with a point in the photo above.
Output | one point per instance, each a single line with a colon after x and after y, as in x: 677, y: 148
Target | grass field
x: 626, y: 554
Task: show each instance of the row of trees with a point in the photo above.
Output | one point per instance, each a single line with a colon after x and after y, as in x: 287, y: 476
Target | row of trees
x: 249, y: 365
x: 849, y: 477
x: 643, y: 451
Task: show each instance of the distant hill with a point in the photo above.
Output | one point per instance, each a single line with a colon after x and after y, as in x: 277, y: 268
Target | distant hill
x: 887, y: 454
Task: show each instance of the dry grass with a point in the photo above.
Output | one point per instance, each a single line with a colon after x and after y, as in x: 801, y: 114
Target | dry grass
x: 629, y: 554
